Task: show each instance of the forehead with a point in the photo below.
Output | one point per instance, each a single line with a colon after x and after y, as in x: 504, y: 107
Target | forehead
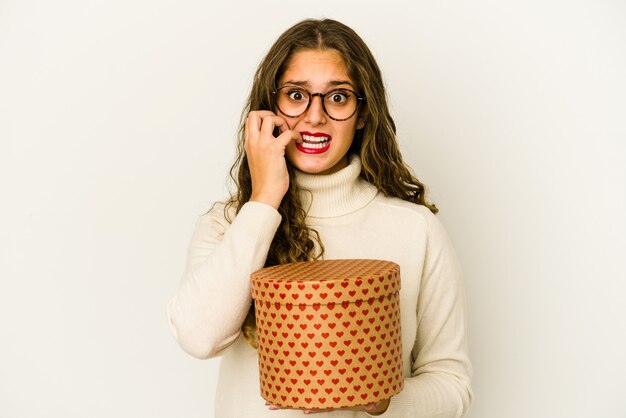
x: 316, y: 68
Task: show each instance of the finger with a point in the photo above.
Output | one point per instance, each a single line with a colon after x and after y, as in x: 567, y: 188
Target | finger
x: 253, y: 122
x: 262, y: 113
x: 275, y: 407
x: 270, y: 122
x: 311, y: 411
x: 282, y: 124
x: 272, y: 406
x: 286, y: 137
x: 251, y: 129
x: 319, y: 411
x: 255, y: 118
x: 267, y: 126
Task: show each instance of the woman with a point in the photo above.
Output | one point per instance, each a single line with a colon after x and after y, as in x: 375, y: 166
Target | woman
x: 319, y: 176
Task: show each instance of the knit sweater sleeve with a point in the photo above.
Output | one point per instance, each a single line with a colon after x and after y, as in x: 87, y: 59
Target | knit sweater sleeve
x: 206, y: 313
x: 439, y: 385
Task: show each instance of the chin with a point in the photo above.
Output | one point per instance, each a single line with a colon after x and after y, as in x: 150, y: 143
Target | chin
x: 316, y: 164
x: 309, y: 167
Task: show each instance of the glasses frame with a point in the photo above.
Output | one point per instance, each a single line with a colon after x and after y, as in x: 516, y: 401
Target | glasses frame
x: 321, y: 96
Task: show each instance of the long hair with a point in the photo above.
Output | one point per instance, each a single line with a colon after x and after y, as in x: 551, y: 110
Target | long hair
x: 375, y: 143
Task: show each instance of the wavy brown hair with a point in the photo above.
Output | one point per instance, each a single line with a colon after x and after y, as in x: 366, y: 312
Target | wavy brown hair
x: 375, y: 143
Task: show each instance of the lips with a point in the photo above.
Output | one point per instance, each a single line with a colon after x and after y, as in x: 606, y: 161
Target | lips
x: 314, y: 143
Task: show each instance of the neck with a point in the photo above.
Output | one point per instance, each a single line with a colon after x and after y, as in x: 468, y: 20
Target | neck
x: 335, y: 194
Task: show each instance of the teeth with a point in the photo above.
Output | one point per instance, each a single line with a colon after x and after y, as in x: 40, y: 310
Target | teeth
x: 317, y: 145
x: 315, y: 139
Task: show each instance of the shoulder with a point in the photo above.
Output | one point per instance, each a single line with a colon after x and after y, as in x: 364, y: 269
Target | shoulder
x: 223, y: 214
x: 398, y: 207
x: 220, y: 212
x: 410, y: 216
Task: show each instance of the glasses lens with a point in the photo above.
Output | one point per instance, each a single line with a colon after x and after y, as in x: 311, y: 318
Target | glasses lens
x: 293, y: 101
x: 340, y: 104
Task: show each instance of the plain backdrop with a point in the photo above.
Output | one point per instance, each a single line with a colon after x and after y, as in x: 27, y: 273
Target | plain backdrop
x: 117, y: 127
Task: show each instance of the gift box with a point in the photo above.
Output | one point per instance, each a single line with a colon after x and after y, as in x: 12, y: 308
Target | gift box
x: 328, y: 332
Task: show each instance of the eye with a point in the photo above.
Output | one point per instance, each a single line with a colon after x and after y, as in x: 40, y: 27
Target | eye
x: 338, y: 96
x: 296, y: 95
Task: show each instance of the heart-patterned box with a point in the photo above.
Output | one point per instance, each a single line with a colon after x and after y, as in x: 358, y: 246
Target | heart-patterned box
x: 328, y: 332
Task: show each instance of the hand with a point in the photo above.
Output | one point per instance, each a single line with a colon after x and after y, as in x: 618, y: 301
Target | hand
x: 266, y: 156
x: 374, y: 408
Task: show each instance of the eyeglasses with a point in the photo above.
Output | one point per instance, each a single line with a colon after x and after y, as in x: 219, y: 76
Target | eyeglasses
x: 339, y: 104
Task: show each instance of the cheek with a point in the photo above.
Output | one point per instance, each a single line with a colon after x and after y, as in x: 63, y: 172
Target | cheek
x: 292, y: 123
x: 291, y: 149
x: 348, y: 132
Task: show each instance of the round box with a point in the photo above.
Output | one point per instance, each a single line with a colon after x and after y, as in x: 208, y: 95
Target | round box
x: 328, y: 332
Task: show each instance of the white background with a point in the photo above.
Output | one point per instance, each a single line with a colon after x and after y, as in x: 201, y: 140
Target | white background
x: 119, y: 117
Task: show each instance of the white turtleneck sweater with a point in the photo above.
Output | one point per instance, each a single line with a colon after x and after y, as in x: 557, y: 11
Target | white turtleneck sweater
x: 354, y: 221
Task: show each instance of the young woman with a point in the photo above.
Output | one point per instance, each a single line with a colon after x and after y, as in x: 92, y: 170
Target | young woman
x: 319, y: 176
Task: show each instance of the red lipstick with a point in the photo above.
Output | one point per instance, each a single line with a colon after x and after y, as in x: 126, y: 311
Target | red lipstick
x: 314, y: 142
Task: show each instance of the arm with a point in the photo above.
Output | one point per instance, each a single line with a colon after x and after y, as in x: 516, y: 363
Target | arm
x: 439, y: 386
x: 214, y: 295
x: 213, y: 298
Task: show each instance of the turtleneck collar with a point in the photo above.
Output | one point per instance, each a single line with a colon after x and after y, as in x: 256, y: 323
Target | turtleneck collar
x: 335, y: 194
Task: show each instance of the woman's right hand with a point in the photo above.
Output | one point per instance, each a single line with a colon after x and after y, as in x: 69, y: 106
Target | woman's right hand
x: 266, y: 156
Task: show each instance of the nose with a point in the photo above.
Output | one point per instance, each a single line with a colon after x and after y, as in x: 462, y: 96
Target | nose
x: 315, y: 114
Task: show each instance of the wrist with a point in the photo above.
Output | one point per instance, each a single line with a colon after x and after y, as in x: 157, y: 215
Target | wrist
x: 268, y: 200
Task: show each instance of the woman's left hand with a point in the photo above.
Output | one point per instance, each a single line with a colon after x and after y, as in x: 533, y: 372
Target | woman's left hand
x: 374, y: 408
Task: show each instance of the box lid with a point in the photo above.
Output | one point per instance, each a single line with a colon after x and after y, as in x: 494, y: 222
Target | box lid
x: 326, y: 282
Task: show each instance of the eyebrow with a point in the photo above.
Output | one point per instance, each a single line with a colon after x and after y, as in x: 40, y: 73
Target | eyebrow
x: 330, y: 83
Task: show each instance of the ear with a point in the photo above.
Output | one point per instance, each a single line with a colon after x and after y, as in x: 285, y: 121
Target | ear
x: 362, y: 117
x: 360, y: 124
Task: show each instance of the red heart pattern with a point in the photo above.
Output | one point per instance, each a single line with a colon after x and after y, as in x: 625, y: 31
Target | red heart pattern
x: 342, y: 347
